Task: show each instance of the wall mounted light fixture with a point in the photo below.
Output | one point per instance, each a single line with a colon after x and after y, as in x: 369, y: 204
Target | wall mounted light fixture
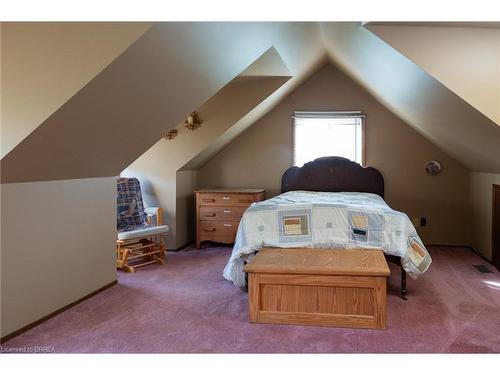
x: 171, y: 134
x: 192, y: 122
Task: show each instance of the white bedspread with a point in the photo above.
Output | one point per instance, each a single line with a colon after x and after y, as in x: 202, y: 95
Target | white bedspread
x: 326, y: 220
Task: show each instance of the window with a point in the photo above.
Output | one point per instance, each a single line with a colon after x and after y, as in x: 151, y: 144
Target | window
x: 319, y: 134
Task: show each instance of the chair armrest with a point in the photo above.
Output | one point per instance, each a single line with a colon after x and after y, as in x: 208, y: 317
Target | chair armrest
x: 154, y: 211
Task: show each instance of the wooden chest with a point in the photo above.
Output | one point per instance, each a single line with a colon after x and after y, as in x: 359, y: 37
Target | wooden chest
x: 341, y: 288
x: 219, y: 211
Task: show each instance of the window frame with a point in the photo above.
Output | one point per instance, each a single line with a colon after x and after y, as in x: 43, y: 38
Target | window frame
x: 363, y: 132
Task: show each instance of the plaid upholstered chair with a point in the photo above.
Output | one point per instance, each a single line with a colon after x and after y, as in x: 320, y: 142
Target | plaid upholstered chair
x: 140, y: 241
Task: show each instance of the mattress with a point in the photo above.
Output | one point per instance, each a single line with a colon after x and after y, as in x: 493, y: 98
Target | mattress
x: 322, y: 220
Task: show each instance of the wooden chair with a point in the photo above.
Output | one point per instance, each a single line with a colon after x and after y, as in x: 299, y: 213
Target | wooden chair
x: 140, y: 242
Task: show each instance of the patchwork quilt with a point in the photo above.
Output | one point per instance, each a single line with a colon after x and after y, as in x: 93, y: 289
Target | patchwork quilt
x: 326, y: 220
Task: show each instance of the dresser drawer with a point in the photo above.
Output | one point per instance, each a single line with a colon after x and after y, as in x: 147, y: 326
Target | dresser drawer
x: 219, y: 211
x: 212, y: 213
x: 215, y: 228
x: 221, y: 199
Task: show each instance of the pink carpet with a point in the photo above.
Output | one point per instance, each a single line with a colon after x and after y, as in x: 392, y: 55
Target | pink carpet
x: 187, y: 307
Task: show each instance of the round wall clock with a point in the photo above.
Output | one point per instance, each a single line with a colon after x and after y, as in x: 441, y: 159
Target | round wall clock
x: 433, y: 168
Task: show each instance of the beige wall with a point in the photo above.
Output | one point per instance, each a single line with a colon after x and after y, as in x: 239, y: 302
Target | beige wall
x: 45, y: 63
x: 57, y: 245
x: 258, y: 157
x: 415, y: 96
x: 481, y: 205
x: 58, y: 238
x: 187, y: 182
x: 157, y: 168
x: 464, y: 59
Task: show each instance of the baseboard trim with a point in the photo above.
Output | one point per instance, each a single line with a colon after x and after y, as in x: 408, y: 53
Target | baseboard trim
x: 471, y: 248
x: 57, y: 312
x: 481, y: 255
x: 190, y: 243
x: 445, y: 245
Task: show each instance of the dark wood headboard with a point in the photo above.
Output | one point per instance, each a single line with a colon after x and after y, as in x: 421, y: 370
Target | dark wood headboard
x: 333, y: 174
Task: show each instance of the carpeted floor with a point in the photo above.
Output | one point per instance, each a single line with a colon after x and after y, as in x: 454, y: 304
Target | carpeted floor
x: 186, y: 307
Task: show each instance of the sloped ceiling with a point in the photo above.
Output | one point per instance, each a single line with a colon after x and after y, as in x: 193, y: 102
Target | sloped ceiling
x: 467, y: 24
x: 416, y: 97
x: 45, y: 63
x: 171, y: 70
x: 464, y: 59
x: 269, y: 64
x: 276, y: 66
x: 174, y: 68
x: 218, y: 114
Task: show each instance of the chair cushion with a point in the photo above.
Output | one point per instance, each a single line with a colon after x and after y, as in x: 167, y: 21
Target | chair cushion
x: 143, y: 232
x: 130, y: 208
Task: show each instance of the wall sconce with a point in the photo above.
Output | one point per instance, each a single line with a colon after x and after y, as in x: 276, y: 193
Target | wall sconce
x: 171, y: 134
x: 192, y: 122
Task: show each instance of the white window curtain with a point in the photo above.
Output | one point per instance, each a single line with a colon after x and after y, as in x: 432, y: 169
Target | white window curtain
x: 319, y: 134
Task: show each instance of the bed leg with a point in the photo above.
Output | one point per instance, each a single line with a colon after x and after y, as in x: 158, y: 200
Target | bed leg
x: 403, y: 284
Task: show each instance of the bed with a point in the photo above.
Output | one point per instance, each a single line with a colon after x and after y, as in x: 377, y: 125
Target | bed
x: 330, y: 202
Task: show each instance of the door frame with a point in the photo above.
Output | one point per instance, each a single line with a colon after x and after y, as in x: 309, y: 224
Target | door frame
x: 494, y: 188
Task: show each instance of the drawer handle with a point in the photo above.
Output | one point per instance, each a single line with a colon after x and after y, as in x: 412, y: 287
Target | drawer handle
x: 210, y: 215
x: 227, y: 225
x: 208, y: 200
x: 209, y: 230
x: 226, y: 198
x: 227, y: 211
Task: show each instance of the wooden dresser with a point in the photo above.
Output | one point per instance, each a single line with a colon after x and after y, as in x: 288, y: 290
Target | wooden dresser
x: 218, y: 212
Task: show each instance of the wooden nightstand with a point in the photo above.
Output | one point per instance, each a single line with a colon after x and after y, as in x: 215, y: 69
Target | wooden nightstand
x: 219, y: 211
